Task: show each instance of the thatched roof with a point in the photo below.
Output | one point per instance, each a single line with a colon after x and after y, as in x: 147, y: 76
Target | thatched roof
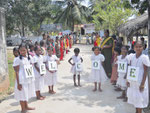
x: 132, y: 26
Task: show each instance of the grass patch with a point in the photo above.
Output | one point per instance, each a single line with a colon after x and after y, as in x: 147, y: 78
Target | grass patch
x: 10, y: 68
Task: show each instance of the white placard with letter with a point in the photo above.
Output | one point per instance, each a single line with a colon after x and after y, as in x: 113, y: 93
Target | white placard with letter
x: 52, y: 65
x: 122, y: 67
x: 96, y: 64
x: 79, y: 67
x: 28, y: 71
x: 42, y: 69
x: 133, y: 73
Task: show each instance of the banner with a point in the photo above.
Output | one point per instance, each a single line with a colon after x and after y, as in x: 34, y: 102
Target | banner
x: 51, y: 27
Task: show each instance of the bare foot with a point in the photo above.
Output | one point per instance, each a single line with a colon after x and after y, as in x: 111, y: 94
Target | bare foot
x: 125, y: 99
x: 94, y: 90
x: 25, y: 111
x: 79, y: 85
x: 40, y: 98
x: 53, y: 92
x: 75, y: 85
x: 100, y: 90
x: 114, y: 83
x: 50, y: 91
x: 121, y: 97
x: 29, y: 108
x: 118, y: 89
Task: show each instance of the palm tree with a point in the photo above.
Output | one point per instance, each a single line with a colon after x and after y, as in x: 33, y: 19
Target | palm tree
x: 72, y: 12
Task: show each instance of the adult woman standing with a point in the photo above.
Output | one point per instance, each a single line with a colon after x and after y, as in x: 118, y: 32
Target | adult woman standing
x: 107, y: 47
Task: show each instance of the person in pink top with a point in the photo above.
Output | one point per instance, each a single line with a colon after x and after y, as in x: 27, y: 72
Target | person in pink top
x: 31, y: 52
x: 114, y: 75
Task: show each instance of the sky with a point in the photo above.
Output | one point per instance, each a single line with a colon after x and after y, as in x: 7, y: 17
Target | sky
x: 85, y: 2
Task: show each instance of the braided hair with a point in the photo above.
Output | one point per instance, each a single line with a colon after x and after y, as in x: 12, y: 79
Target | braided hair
x: 25, y: 46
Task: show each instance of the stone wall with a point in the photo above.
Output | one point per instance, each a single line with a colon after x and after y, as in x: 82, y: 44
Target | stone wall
x: 4, y: 79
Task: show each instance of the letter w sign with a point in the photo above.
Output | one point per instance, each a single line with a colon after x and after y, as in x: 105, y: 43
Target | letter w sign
x: 28, y: 71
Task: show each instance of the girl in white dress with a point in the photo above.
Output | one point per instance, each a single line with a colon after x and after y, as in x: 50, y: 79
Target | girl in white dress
x: 137, y: 92
x: 75, y: 58
x: 38, y: 60
x: 24, y: 86
x: 15, y: 53
x: 121, y: 81
x: 51, y: 76
x: 98, y: 75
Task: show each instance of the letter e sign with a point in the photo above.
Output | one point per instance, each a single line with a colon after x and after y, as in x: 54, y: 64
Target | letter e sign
x: 42, y: 69
x: 133, y: 73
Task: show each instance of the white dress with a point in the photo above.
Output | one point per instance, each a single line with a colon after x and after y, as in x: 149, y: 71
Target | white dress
x: 39, y: 80
x: 50, y: 78
x: 98, y: 75
x: 135, y: 97
x: 28, y: 86
x: 121, y: 82
x: 75, y: 60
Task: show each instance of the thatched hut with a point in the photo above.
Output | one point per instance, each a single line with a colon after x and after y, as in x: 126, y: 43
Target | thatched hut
x: 134, y: 27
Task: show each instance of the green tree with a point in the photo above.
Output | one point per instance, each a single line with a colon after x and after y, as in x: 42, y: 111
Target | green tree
x: 27, y: 15
x: 18, y: 16
x: 72, y: 13
x: 110, y: 14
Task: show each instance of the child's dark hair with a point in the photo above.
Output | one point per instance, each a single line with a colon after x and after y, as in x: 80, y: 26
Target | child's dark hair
x: 31, y: 46
x: 139, y: 42
x: 118, y: 50
x: 107, y: 31
x: 36, y: 43
x: 43, y: 34
x: 15, y: 49
x: 93, y: 48
x: 50, y: 48
x: 125, y: 46
x: 77, y: 50
x: 36, y: 48
x: 96, y: 48
x: 25, y: 46
x: 41, y: 43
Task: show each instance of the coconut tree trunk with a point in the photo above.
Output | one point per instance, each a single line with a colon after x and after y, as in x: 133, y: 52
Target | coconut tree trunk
x: 23, y: 30
x: 147, y: 110
x: 72, y: 26
x: 149, y: 28
x: 4, y: 79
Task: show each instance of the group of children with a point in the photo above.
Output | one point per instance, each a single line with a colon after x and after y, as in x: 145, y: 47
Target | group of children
x: 38, y: 58
x: 36, y: 66
x: 129, y: 73
x: 135, y: 92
